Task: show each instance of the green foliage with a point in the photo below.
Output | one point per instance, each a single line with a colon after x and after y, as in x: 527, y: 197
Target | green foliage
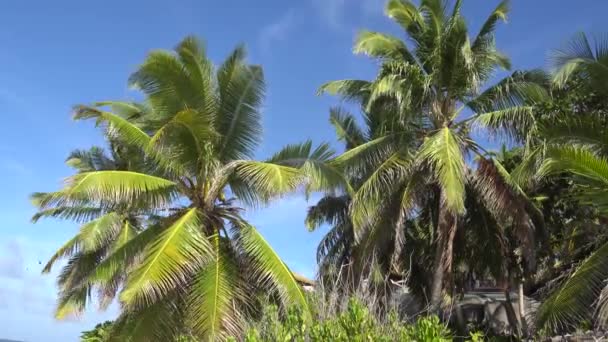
x: 355, y: 323
x: 162, y: 229
x: 101, y: 333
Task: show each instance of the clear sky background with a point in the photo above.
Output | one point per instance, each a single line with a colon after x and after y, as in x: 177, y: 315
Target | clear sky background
x: 55, y: 54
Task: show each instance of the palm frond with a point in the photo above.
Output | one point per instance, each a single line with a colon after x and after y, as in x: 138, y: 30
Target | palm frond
x: 315, y: 164
x: 571, y: 303
x: 443, y: 151
x: 70, y: 248
x: 488, y: 27
x: 329, y: 209
x: 176, y: 252
x: 373, y: 193
x: 346, y: 128
x: 241, y: 90
x: 269, y: 269
x: 128, y: 132
x: 120, y: 187
x: 99, y: 232
x: 73, y: 213
x: 513, y: 122
x: 214, y: 296
x: 382, y: 46
x: 350, y: 90
x: 255, y: 181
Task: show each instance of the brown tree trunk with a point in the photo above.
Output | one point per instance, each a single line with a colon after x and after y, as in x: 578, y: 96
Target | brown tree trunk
x: 442, y: 262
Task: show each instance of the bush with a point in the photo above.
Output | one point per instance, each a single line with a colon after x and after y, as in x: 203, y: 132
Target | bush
x: 354, y: 324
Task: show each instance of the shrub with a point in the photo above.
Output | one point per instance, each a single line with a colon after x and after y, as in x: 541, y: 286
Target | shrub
x: 353, y: 324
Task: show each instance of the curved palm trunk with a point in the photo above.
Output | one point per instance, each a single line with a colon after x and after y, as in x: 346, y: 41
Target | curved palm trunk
x: 443, y: 255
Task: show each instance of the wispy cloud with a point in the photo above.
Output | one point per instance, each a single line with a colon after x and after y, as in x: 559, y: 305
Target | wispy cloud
x: 334, y: 12
x: 331, y: 11
x: 277, y: 31
x: 12, y: 263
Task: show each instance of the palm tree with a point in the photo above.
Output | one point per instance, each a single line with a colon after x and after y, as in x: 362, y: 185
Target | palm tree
x: 195, y: 265
x: 574, y: 144
x: 429, y: 94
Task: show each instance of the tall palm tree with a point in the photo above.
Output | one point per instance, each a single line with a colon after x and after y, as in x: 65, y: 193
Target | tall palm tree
x: 195, y: 264
x: 574, y: 144
x: 430, y: 93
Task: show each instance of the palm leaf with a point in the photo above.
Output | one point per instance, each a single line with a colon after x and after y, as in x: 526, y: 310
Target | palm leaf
x: 176, y: 252
x: 382, y: 46
x: 253, y: 181
x: 99, y: 232
x: 120, y: 187
x: 499, y: 13
x: 213, y: 295
x: 443, y: 152
x: 269, y: 269
x: 68, y: 249
x: 571, y: 303
x: 346, y: 128
x: 315, y: 165
x: 241, y: 90
x: 128, y: 132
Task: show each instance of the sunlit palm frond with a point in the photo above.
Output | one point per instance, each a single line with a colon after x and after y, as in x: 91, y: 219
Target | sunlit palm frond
x: 580, y: 56
x: 521, y: 88
x: 315, y: 165
x: 269, y: 269
x: 99, y: 232
x: 216, y: 292
x: 406, y: 14
x: 177, y: 252
x: 254, y: 181
x: 351, y: 90
x: 514, y: 122
x: 120, y: 187
x: 241, y: 90
x: 500, y: 13
x: 382, y: 46
x: 127, y: 131
x: 443, y: 150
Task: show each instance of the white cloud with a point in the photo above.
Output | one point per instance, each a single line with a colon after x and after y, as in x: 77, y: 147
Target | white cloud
x: 276, y: 31
x: 12, y: 263
x: 28, y: 298
x: 334, y: 12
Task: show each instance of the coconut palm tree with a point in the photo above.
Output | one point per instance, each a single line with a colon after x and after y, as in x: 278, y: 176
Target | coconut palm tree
x: 430, y: 93
x: 194, y: 265
x: 574, y: 144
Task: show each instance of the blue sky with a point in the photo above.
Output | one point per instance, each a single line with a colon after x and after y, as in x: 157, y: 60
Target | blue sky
x: 60, y: 53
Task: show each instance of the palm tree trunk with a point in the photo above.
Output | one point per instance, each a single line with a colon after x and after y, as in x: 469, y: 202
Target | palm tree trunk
x: 443, y: 255
x: 522, y: 308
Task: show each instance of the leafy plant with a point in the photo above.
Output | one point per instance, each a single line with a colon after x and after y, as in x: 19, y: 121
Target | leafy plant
x: 164, y: 232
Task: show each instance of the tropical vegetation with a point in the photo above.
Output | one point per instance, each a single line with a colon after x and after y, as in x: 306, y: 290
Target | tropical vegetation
x: 416, y: 204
